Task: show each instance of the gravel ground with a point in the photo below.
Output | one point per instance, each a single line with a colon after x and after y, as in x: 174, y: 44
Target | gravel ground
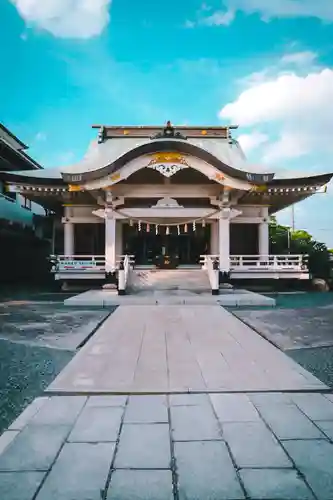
x: 318, y: 361
x: 38, y: 337
x: 302, y: 326
x: 25, y: 371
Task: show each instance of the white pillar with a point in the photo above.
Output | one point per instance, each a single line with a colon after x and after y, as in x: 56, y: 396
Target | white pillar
x: 110, y: 241
x: 263, y: 236
x: 214, y: 238
x: 224, y: 243
x: 119, y: 238
x: 69, y: 239
x: 68, y: 233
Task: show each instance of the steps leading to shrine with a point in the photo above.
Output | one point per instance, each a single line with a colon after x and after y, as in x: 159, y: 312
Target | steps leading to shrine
x: 194, y: 280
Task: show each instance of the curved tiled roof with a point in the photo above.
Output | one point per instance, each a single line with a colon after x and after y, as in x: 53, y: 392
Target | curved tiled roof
x: 319, y: 180
x: 224, y: 156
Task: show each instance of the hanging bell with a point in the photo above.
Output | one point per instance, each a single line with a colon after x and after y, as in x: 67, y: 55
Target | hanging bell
x: 203, y: 223
x: 194, y: 226
x: 178, y: 230
x: 148, y: 228
x: 167, y: 230
x: 156, y: 228
x: 131, y: 223
x: 185, y: 228
x: 139, y: 225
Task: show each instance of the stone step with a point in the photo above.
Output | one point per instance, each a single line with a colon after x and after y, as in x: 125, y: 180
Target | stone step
x: 169, y: 279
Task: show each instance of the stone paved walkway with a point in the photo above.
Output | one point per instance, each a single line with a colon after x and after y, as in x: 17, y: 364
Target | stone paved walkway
x: 161, y: 349
x: 212, y: 445
x: 258, y: 446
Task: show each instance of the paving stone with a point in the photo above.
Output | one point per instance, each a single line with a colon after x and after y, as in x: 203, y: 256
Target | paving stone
x: 270, y: 399
x: 326, y: 427
x: 6, y: 438
x: 252, y: 445
x: 146, y: 409
x: 19, y: 485
x: 194, y: 423
x: 288, y: 422
x: 34, y: 449
x: 205, y: 471
x: 80, y: 472
x: 275, y: 484
x: 144, y: 446
x: 27, y: 414
x: 141, y: 485
x: 97, y: 424
x: 314, y: 459
x: 127, y: 353
x: 59, y: 410
x: 315, y: 406
x: 106, y: 401
x: 188, y: 399
x: 234, y: 408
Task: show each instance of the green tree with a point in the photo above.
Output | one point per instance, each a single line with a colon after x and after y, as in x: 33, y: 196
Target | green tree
x: 283, y: 241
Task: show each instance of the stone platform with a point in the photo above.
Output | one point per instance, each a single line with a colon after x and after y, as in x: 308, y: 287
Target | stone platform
x: 107, y: 298
x: 169, y: 349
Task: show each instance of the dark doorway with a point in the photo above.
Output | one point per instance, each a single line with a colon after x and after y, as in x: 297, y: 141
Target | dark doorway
x: 183, y: 249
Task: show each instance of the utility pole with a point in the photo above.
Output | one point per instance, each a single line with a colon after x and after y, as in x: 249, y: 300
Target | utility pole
x: 293, y: 217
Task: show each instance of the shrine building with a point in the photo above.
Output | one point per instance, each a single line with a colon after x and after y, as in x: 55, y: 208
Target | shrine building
x: 169, y: 197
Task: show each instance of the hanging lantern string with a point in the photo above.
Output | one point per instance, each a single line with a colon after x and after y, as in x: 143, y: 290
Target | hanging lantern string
x: 192, y: 221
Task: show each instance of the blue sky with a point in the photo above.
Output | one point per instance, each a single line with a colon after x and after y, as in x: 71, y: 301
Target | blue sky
x: 265, y: 65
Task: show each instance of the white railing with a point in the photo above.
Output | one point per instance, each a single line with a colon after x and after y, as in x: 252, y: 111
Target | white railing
x: 84, y: 263
x: 78, y: 263
x: 269, y: 262
x: 260, y: 262
x: 213, y: 274
x: 123, y: 273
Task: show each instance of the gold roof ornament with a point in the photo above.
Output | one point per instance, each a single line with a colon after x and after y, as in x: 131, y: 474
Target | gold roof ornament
x: 74, y: 188
x: 168, y: 157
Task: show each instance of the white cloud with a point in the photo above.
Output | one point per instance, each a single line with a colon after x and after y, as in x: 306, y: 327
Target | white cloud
x: 207, y: 17
x: 288, y: 97
x: 218, y: 18
x: 268, y: 9
x: 252, y: 141
x: 66, y: 18
x: 298, y: 106
x: 289, y: 145
x: 306, y: 57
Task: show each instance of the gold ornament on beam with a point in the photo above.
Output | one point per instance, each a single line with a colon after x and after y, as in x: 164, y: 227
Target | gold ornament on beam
x: 178, y: 230
x: 156, y: 229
